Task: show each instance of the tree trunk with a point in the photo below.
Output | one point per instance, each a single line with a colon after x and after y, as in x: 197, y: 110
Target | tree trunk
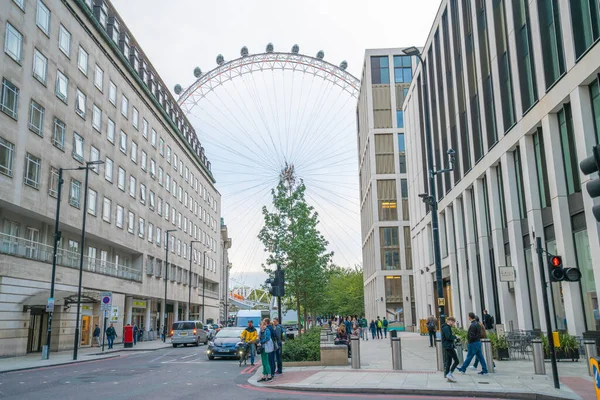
x: 298, y: 312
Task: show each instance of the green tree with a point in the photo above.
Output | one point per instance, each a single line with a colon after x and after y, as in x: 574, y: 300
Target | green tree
x: 292, y: 239
x: 344, y: 291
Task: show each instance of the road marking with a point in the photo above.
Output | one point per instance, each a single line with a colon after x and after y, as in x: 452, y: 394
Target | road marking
x: 191, y: 355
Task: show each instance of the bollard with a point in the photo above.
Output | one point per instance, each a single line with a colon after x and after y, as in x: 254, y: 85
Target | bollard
x: 440, y: 354
x: 590, y: 351
x: 393, y: 334
x: 396, y: 353
x: 460, y: 354
x: 538, y: 357
x: 486, y: 347
x: 330, y: 336
x: 355, y: 350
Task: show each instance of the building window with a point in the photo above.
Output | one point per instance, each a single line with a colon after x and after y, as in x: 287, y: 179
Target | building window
x: 408, y: 248
x: 152, y: 200
x: 130, y: 222
x: 387, y: 199
x: 134, y: 149
x: 399, y: 119
x: 99, y: 78
x: 112, y: 93
x: 62, y: 84
x: 152, y: 168
x: 32, y: 171
x: 161, y: 147
x: 158, y: 235
x: 42, y: 17
x: 159, y: 205
x: 384, y: 154
x: 106, y: 209
x: 153, y: 138
x: 144, y: 161
x: 120, y: 215
x: 80, y: 101
x: 123, y: 142
x: 525, y: 54
x: 569, y: 152
x: 58, y: 136
x: 110, y: 130
x: 9, y: 100
x: 108, y: 169
x: 75, y: 193
x: 97, y: 118
x: 53, y: 184
x: 145, y: 128
x: 132, y: 188
x: 64, y: 40
x: 552, y: 46
x: 540, y: 164
x: 141, y: 230
x: 135, y: 116
x: 380, y: 70
x: 402, y: 69
x: 77, y: 147
x: 585, y: 18
x: 390, y: 248
x: 95, y: 156
x: 142, y: 193
x: 82, y: 61
x: 92, y: 201
x: 402, y: 155
x: 169, y: 156
x: 404, y: 195
x: 7, y: 153
x: 36, y: 118
x: 160, y: 176
x: 121, y: 179
x: 595, y: 95
x: 40, y: 66
x: 13, y: 43
x: 520, y: 188
x: 168, y: 183
x: 20, y: 3
x: 124, y: 106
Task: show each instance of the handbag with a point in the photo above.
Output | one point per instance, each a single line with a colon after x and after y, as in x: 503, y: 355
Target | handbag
x: 269, y: 347
x: 259, y: 350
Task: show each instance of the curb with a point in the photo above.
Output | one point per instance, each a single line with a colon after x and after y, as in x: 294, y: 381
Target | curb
x: 59, y: 364
x: 422, y: 392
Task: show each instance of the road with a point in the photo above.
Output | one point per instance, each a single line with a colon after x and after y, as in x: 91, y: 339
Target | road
x: 179, y: 373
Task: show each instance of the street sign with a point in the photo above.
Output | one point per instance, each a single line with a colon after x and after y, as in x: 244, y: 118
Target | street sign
x: 50, y: 305
x: 507, y: 274
x: 106, y: 301
x: 114, y: 314
x: 441, y: 302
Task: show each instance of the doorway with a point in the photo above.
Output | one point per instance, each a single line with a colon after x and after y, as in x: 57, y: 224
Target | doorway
x: 38, y: 325
x: 85, y: 330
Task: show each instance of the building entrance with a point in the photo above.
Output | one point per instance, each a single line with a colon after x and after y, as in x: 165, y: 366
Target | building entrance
x: 38, y: 325
x: 86, y: 321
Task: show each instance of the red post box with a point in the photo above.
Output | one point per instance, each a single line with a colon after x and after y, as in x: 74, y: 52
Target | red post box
x: 128, y: 336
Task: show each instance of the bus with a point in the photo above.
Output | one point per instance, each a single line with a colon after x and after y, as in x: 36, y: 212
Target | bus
x: 243, y: 316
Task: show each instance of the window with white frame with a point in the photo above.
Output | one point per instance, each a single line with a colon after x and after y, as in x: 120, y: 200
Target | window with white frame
x: 36, y: 118
x: 108, y: 169
x: 112, y: 93
x: 153, y: 138
x: 7, y: 153
x: 181, y: 168
x: 135, y: 117
x: 173, y: 216
x: 82, y: 60
x: 161, y: 147
x: 53, y: 183
x: 152, y: 197
x: 121, y: 179
x: 40, y: 66
x: 159, y: 204
x: 58, y: 134
x: 158, y: 236
x: 134, y: 151
x: 62, y: 83
x: 167, y: 211
x: 42, y: 17
x: 95, y: 156
x: 169, y: 155
x: 64, y: 40
x: 180, y: 194
x: 160, y: 176
x: 92, y: 201
x: 80, y: 101
x: 20, y: 3
x: 142, y: 193
x: 174, y: 188
x: 132, y: 187
x: 145, y: 128
x: 141, y: 231
x: 99, y: 78
x: 120, y: 215
x: 187, y: 174
x: 124, y: 106
x: 110, y: 130
x: 106, y: 209
x: 179, y: 220
x: 185, y: 224
x: 144, y: 161
x: 123, y: 142
x: 175, y: 161
x: 152, y: 168
x: 75, y: 193
x: 168, y: 182
x: 9, y: 99
x: 32, y: 171
x: 131, y: 222
x: 77, y: 147
x: 97, y: 118
x: 150, y: 235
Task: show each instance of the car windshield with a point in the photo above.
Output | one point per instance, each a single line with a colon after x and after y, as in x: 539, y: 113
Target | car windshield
x: 229, y: 333
x: 178, y: 326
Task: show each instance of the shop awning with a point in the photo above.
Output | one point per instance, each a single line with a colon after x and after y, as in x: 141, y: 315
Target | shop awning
x: 61, y: 297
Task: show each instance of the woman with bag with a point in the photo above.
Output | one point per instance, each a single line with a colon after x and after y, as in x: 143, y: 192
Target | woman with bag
x: 265, y: 347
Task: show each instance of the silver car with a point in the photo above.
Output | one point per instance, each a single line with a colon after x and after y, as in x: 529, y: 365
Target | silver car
x: 188, y: 332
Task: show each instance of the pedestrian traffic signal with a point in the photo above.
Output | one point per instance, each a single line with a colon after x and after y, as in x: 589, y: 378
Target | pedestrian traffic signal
x: 588, y: 166
x: 559, y: 273
x: 277, y: 284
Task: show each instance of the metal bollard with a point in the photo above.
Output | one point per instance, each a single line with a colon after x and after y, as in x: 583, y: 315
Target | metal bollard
x: 459, y: 353
x: 396, y: 353
x: 488, y: 355
x: 393, y: 334
x: 590, y: 351
x: 330, y: 336
x: 538, y: 357
x: 355, y: 349
x: 440, y: 354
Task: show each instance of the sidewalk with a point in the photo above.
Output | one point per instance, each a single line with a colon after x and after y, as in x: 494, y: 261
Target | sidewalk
x: 34, y: 360
x: 512, y: 379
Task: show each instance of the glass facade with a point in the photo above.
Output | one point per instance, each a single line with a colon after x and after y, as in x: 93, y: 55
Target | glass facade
x: 520, y: 188
x: 569, y: 152
x: 380, y: 70
x: 504, y: 72
x: 595, y: 97
x: 588, y: 286
x: 585, y: 18
x: 390, y: 248
x: 402, y: 69
x: 552, y: 46
x: 540, y: 166
x: 524, y: 54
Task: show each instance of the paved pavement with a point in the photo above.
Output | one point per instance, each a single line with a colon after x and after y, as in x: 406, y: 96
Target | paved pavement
x: 512, y: 379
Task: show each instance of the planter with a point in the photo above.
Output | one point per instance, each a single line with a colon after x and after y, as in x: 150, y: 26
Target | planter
x: 572, y: 355
x: 501, y: 354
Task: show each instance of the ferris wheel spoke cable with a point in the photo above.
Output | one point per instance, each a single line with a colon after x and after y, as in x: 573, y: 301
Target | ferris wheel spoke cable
x: 326, y: 158
x: 299, y: 121
x: 353, y: 201
x: 273, y: 112
x: 338, y: 207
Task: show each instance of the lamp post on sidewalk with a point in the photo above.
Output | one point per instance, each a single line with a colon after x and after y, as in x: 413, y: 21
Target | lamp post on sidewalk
x: 88, y: 165
x: 203, y: 279
x: 166, y: 277
x: 190, y: 279
x: 431, y: 198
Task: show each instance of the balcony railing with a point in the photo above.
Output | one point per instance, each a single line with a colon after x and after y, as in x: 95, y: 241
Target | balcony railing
x: 19, y: 247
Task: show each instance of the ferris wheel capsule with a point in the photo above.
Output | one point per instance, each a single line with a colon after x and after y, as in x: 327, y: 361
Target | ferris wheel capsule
x: 270, y: 48
x: 197, y: 72
x: 244, y: 51
x: 220, y: 59
x: 344, y: 65
x: 177, y: 89
x: 295, y: 49
x: 320, y: 54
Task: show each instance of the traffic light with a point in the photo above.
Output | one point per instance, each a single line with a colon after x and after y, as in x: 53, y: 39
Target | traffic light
x: 559, y: 273
x: 277, y: 284
x: 588, y: 166
x: 271, y: 283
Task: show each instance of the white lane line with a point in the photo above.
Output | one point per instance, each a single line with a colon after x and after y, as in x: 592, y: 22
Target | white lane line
x: 191, y: 355
x: 159, y: 357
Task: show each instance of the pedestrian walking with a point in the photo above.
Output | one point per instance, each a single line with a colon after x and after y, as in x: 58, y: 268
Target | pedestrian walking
x: 96, y: 335
x: 364, y: 325
x: 483, y: 336
x: 348, y: 324
x: 136, y: 332
x: 448, y: 344
x: 279, y: 337
x: 385, y: 326
x: 111, y: 334
x: 379, y: 327
x: 474, y: 346
x: 488, y: 320
x: 266, y: 347
x: 373, y: 328
x: 431, y: 328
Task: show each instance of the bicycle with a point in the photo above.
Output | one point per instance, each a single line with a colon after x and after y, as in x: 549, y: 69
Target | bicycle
x: 242, y: 350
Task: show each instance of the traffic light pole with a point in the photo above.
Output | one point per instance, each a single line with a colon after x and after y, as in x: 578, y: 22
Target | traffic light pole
x: 278, y: 273
x: 540, y: 252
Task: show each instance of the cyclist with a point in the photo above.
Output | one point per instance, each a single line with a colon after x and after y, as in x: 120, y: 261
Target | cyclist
x: 250, y: 336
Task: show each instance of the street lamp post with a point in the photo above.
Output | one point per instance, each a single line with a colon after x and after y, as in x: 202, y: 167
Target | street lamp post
x: 88, y: 166
x: 431, y: 198
x: 166, y: 280
x: 203, y: 279
x: 190, y: 278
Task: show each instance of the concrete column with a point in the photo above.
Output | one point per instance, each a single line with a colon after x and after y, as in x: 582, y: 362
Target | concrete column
x: 484, y: 248
x: 562, y: 221
x: 514, y: 64
x: 161, y: 317
x: 148, y: 316
x: 473, y: 276
x: 461, y: 256
x: 187, y: 313
x: 176, y: 311
x: 568, y: 40
x: 457, y: 300
x: 128, y: 309
x: 515, y: 235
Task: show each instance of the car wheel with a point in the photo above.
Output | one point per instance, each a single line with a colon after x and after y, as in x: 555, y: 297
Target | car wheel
x: 185, y: 345
x: 197, y: 343
x: 211, y: 358
x: 174, y: 345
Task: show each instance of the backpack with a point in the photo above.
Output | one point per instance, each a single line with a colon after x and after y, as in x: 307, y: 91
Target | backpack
x: 431, y: 326
x: 385, y: 323
x: 379, y: 323
x: 483, y: 331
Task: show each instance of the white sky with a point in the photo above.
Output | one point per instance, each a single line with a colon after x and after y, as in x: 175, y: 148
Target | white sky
x: 178, y: 35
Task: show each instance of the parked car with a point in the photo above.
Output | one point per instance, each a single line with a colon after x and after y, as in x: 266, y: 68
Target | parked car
x: 224, y: 343
x: 188, y: 332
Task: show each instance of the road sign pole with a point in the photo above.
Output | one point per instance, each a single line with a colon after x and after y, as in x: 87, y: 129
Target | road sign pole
x: 104, y: 328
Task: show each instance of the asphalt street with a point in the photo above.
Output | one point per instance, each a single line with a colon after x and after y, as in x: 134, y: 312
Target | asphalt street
x: 178, y: 373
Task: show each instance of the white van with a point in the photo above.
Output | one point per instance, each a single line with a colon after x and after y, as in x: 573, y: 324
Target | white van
x: 188, y: 332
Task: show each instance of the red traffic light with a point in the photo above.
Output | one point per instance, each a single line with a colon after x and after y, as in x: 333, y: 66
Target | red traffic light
x: 556, y: 261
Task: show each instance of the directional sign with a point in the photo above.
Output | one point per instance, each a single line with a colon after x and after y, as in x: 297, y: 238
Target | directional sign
x: 50, y: 305
x: 106, y: 301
